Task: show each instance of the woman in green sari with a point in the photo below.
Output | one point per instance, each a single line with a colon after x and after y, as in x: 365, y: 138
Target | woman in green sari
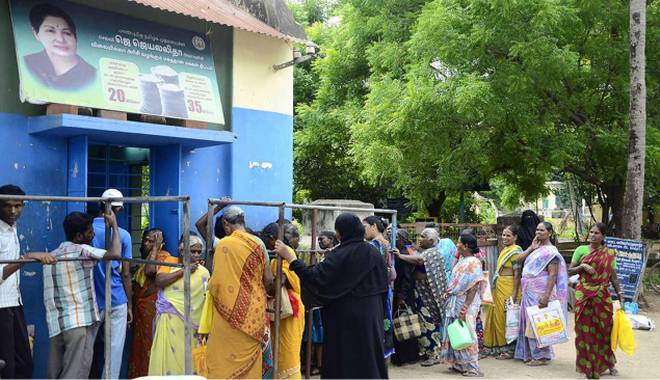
x: 168, y: 348
x: 506, y: 288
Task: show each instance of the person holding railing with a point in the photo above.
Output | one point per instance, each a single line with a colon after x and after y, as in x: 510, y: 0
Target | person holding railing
x: 145, y: 293
x: 15, y: 348
x: 291, y: 328
x: 351, y: 283
x: 430, y: 284
x: 121, y: 293
x: 235, y: 310
x: 71, y: 310
x: 167, y: 351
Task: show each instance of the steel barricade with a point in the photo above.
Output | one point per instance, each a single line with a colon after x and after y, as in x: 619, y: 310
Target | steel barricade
x: 188, y: 366
x: 213, y: 202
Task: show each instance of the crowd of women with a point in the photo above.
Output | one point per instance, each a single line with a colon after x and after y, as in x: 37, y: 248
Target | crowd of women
x: 360, y: 286
x: 442, y: 287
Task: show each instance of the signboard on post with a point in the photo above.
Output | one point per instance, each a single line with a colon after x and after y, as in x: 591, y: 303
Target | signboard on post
x: 631, y: 260
x: 71, y: 54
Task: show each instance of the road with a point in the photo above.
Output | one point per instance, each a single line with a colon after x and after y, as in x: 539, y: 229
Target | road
x: 644, y: 364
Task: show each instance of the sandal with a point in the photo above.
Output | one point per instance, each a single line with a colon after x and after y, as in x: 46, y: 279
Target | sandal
x: 504, y: 356
x: 430, y: 362
x: 537, y: 363
x: 614, y: 372
x: 315, y: 371
x: 473, y: 373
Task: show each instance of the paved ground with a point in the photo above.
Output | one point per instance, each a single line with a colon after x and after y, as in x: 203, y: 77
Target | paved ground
x: 644, y: 364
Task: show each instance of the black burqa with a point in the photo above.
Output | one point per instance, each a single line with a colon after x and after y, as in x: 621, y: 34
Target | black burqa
x: 528, y: 222
x: 351, y: 283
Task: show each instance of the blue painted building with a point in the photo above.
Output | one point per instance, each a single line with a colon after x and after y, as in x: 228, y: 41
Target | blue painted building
x: 249, y: 158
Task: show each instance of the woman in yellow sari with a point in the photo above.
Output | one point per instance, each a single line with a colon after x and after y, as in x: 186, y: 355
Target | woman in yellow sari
x: 168, y: 348
x: 506, y: 288
x: 235, y: 312
x: 291, y: 328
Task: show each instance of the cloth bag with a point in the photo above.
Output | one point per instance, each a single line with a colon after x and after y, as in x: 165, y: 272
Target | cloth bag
x: 512, y: 322
x: 407, y: 325
x: 286, y: 309
x: 460, y: 335
x: 548, y: 324
x: 199, y: 358
x: 622, y: 334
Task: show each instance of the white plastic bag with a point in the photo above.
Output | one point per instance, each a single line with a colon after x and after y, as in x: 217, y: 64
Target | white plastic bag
x: 512, y: 322
x: 641, y: 322
x: 548, y: 324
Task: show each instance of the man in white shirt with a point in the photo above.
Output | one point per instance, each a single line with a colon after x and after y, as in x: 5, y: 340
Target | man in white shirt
x: 14, y: 346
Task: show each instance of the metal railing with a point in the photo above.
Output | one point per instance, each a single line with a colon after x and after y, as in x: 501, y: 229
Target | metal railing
x: 281, y: 206
x: 188, y: 366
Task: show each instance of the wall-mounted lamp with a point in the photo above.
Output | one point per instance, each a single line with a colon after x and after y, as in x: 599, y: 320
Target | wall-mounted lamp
x: 310, y: 53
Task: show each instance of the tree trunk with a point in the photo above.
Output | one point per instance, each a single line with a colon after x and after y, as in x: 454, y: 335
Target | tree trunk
x: 435, y: 207
x: 631, y: 226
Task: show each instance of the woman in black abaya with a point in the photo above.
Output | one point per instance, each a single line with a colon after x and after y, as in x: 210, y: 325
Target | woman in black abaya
x: 527, y: 230
x: 351, y: 283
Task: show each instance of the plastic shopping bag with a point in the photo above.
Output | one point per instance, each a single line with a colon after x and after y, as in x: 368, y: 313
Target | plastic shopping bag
x: 460, y: 335
x: 548, y: 324
x: 622, y: 333
x: 512, y: 322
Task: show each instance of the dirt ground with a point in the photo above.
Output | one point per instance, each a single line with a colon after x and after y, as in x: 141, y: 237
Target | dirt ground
x: 644, y: 364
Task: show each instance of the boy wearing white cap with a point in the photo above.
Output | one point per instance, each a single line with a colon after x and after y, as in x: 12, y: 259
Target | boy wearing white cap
x: 122, y: 290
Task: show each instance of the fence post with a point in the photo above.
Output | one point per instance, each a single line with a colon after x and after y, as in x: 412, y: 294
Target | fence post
x: 210, y: 237
x: 188, y: 368
x: 278, y: 296
x: 310, y: 316
x: 107, y: 341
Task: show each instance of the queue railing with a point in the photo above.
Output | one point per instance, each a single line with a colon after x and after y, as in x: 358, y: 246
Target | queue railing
x: 188, y: 365
x: 282, y: 206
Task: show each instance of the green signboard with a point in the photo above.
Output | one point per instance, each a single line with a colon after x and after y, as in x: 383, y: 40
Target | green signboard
x: 72, y: 54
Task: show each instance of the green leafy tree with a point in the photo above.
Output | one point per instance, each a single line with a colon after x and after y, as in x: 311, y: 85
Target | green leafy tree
x: 525, y: 89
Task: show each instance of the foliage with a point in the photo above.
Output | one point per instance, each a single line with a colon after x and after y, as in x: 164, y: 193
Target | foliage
x: 529, y: 88
x: 526, y: 90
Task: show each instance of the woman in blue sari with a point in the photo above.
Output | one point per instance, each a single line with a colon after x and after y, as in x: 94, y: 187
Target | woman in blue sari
x: 374, y: 228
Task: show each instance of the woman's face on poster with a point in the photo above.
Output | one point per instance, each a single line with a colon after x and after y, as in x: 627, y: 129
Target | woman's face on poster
x: 57, y: 37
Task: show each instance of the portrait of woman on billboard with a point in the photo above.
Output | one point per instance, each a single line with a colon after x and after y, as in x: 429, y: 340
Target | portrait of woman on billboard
x: 58, y: 65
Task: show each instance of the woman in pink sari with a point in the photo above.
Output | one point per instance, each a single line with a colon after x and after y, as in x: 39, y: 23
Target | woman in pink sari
x: 544, y: 279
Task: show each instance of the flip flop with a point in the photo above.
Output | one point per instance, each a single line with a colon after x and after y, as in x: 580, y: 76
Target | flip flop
x: 472, y: 373
x: 504, y: 356
x: 537, y: 363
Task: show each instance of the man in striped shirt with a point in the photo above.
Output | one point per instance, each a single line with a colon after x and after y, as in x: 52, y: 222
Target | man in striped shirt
x: 71, y: 310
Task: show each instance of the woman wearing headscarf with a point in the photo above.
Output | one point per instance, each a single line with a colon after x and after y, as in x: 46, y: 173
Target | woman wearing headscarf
x: 406, y: 351
x: 467, y: 286
x: 544, y: 279
x: 374, y: 229
x: 527, y: 231
x: 352, y: 285
x: 167, y: 350
x: 431, y: 285
x: 506, y: 288
x: 596, y: 265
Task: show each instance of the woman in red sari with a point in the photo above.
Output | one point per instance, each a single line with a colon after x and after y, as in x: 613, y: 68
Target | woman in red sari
x: 144, y: 302
x: 596, y: 265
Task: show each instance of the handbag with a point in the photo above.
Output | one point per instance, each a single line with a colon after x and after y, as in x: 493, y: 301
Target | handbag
x: 286, y: 310
x: 407, y: 325
x: 460, y: 335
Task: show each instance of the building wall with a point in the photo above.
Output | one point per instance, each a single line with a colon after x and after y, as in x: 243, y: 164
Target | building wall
x: 262, y: 157
x: 258, y: 108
